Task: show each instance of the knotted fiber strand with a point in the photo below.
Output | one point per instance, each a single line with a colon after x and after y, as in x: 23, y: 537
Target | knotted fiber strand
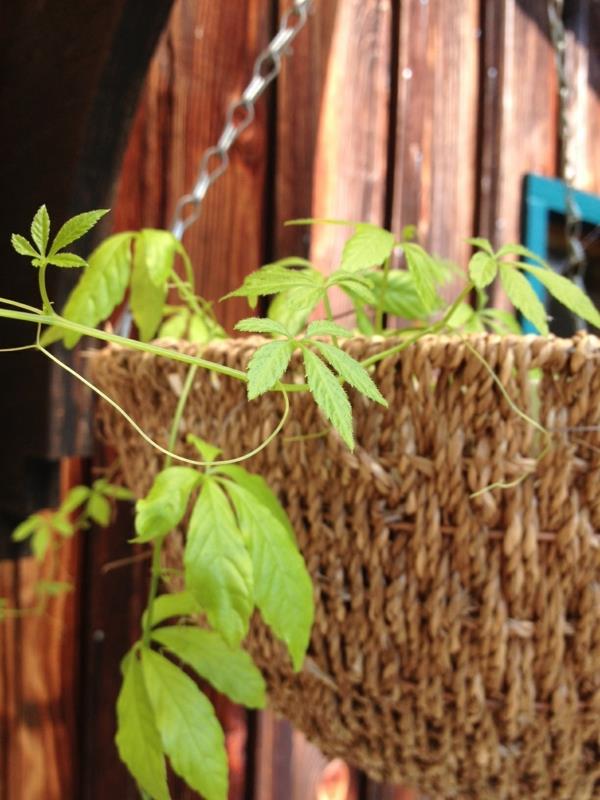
x: 456, y: 644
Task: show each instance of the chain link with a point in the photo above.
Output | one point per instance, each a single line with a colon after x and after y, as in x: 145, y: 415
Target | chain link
x: 576, y: 258
x: 240, y: 115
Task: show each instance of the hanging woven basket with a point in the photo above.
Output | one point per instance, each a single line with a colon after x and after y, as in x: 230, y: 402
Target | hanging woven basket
x: 456, y: 644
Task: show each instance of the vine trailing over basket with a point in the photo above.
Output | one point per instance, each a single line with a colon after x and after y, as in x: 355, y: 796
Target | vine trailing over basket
x: 240, y: 551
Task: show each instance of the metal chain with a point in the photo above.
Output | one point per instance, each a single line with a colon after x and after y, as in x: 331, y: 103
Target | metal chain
x: 240, y: 115
x: 576, y: 258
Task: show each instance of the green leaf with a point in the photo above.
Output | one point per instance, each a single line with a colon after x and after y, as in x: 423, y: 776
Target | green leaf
x: 98, y: 509
x: 189, y: 730
x: 258, y: 325
x: 267, y: 365
x: 567, y: 293
x: 75, y: 228
x: 218, y: 570
x: 482, y: 269
x: 137, y: 739
x: 464, y: 317
x: 175, y: 326
x: 293, y: 308
x: 208, y: 451
x: 166, y: 606
x: 165, y: 504
x: 257, y: 486
x: 351, y: 371
x: 274, y: 278
x: 500, y: 321
x: 423, y: 269
x: 61, y: 524
x: 482, y: 244
x: 203, y: 329
x: 369, y: 246
x: 102, y: 486
x: 355, y: 286
x: 75, y: 498
x: 229, y: 669
x: 22, y: 246
x: 100, y: 289
x: 27, y: 528
x: 523, y: 297
x: 147, y: 299
x: 323, y: 327
x: 519, y: 250
x: 159, y: 249
x: 282, y: 585
x: 329, y: 396
x: 400, y: 296
x: 40, y: 541
x: 40, y: 229
x: 67, y: 260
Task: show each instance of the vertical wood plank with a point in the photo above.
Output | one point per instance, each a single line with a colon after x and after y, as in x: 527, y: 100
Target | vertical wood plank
x: 519, y: 94
x: 39, y: 669
x: 583, y: 64
x: 436, y: 123
x: 352, y: 145
x: 203, y: 63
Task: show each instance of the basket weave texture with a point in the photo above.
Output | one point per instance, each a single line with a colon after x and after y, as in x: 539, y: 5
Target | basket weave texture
x: 456, y: 644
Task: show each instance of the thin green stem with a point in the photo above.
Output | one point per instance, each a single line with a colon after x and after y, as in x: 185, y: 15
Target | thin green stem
x: 181, y: 403
x: 151, y: 441
x: 158, y: 543
x: 145, y: 347
x: 327, y: 306
x: 46, y: 304
x: 24, y: 306
x: 435, y: 328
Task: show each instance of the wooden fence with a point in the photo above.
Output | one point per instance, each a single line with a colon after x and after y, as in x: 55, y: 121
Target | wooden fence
x: 425, y: 112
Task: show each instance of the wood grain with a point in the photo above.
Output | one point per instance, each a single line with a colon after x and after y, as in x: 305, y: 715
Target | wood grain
x: 39, y: 668
x: 583, y: 65
x: 436, y: 124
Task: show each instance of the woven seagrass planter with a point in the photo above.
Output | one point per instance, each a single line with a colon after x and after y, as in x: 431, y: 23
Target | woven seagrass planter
x: 457, y: 638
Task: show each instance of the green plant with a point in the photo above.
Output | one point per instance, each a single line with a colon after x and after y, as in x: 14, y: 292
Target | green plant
x: 240, y: 551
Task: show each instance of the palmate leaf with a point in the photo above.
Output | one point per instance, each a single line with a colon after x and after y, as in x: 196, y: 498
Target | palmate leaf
x: 329, y: 395
x: 482, y: 269
x: 40, y: 229
x: 369, y: 246
x: 275, y: 278
x: 521, y: 294
x: 207, y: 450
x: 567, y: 293
x: 286, y: 310
x: 167, y: 606
x: 189, y: 730
x: 323, y: 327
x: 481, y: 244
x: 147, y: 297
x: 165, y: 504
x: 282, y: 585
x: 257, y: 486
x: 260, y: 325
x: 100, y: 289
x: 424, y: 271
x: 351, y: 371
x: 159, y: 248
x: 229, y: 669
x: 22, y: 246
x: 218, y: 569
x: 399, y: 295
x: 75, y: 228
x: 68, y: 260
x: 267, y: 365
x: 137, y: 739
